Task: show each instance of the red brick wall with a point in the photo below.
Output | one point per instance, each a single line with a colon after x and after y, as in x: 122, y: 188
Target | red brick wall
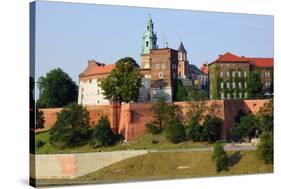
x: 130, y: 119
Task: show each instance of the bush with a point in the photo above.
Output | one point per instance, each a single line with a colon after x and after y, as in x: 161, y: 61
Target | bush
x: 103, y: 134
x: 220, y: 157
x: 154, y: 141
x: 152, y: 128
x: 175, y: 131
x: 40, y: 143
x: 194, y: 130
x: 212, y: 128
x: 71, y: 128
x: 265, y: 148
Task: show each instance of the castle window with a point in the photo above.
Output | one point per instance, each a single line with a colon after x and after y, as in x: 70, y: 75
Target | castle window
x: 246, y: 95
x: 146, y: 43
x: 98, y: 91
x: 245, y: 74
x: 227, y: 74
x: 227, y: 85
x: 221, y: 85
x: 228, y: 95
x: 160, y: 75
x: 90, y: 80
x: 233, y: 85
x: 98, y: 101
x: 163, y: 65
x: 222, y: 95
x: 240, y: 95
x: 82, y: 89
x: 245, y: 84
x: 233, y: 74
x: 221, y: 74
x: 267, y: 84
x: 240, y: 85
x: 239, y: 74
x: 157, y: 66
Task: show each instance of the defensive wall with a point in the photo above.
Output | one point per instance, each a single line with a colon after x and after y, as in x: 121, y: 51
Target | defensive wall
x: 130, y: 119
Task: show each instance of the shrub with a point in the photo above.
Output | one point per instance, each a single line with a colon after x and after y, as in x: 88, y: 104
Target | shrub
x: 175, y: 131
x: 194, y: 130
x: 152, y: 128
x: 212, y: 128
x: 265, y: 148
x: 220, y: 157
x: 40, y: 143
x: 154, y: 141
x: 71, y: 128
x: 103, y: 134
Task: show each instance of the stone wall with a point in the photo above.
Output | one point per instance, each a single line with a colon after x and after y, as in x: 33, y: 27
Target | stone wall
x: 130, y: 119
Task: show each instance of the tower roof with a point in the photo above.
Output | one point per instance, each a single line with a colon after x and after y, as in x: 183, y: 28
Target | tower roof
x: 181, y: 48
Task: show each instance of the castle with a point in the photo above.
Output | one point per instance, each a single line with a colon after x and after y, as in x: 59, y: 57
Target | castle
x: 161, y: 69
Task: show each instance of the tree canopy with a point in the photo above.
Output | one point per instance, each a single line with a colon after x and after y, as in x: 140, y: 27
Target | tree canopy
x: 255, y: 85
x: 123, y: 82
x: 71, y: 128
x: 56, y: 89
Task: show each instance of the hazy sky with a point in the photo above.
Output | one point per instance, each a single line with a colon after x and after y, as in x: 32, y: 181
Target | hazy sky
x: 70, y: 34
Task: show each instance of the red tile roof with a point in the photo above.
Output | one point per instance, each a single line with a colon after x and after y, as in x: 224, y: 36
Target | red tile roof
x: 94, y: 69
x: 259, y: 62
x: 204, y: 68
x: 229, y: 57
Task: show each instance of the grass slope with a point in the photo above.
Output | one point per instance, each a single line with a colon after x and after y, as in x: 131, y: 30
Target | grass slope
x: 143, y: 142
x: 163, y: 165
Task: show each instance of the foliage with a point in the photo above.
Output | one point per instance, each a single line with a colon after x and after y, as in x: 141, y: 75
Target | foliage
x: 39, y: 119
x: 71, y: 128
x: 220, y: 157
x: 247, y: 127
x: 124, y: 81
x: 194, y: 130
x: 194, y: 94
x: 163, y: 112
x: 255, y: 85
x: 181, y: 92
x: 103, y: 134
x: 265, y: 148
x: 56, y: 89
x: 175, y: 131
x: 196, y: 110
x: 212, y: 128
x: 152, y: 128
x: 265, y: 117
x: 239, y: 115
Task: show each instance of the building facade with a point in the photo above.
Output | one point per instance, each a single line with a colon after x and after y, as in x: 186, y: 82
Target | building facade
x: 229, y: 75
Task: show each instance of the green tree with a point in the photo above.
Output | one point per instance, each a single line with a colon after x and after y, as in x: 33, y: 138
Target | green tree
x: 152, y: 128
x: 103, y: 134
x: 40, y: 120
x: 220, y: 157
x: 194, y: 130
x: 175, y: 131
x: 265, y: 148
x: 56, y: 89
x: 123, y: 82
x: 212, y: 128
x: 247, y: 127
x: 71, y: 128
x: 181, y: 92
x: 255, y: 85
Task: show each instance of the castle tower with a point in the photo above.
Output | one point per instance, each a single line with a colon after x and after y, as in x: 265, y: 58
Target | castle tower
x: 149, y: 42
x: 182, y: 62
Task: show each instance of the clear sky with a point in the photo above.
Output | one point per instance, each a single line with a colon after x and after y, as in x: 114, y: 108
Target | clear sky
x: 70, y: 34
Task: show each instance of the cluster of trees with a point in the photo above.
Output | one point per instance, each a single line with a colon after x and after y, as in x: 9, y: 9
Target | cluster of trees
x: 166, y: 118
x: 72, y: 129
x: 258, y: 125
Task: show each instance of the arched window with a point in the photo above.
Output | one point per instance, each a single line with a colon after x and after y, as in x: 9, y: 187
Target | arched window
x: 146, y: 43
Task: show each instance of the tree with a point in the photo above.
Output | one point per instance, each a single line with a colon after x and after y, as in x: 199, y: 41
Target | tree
x: 71, y: 128
x: 123, y: 82
x: 220, y: 157
x: 152, y: 128
x: 255, y: 85
x: 247, y: 127
x: 212, y: 128
x: 56, y: 89
x: 102, y: 133
x: 181, y: 92
x: 265, y: 148
x: 194, y: 94
x: 265, y: 117
x: 39, y: 119
x: 175, y: 131
x: 194, y: 130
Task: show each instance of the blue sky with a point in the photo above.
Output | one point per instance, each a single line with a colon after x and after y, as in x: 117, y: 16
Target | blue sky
x: 70, y: 34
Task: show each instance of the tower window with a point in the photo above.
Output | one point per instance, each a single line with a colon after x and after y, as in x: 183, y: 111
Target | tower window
x: 147, y: 27
x: 146, y: 43
x: 161, y: 75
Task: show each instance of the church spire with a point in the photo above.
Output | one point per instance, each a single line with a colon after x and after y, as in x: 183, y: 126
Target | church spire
x: 149, y: 37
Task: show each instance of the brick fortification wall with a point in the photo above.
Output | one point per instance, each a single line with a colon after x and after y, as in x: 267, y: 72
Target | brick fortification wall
x: 130, y: 119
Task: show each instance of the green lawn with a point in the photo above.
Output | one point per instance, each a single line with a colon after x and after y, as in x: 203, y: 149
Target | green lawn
x: 168, y: 165
x: 143, y: 142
